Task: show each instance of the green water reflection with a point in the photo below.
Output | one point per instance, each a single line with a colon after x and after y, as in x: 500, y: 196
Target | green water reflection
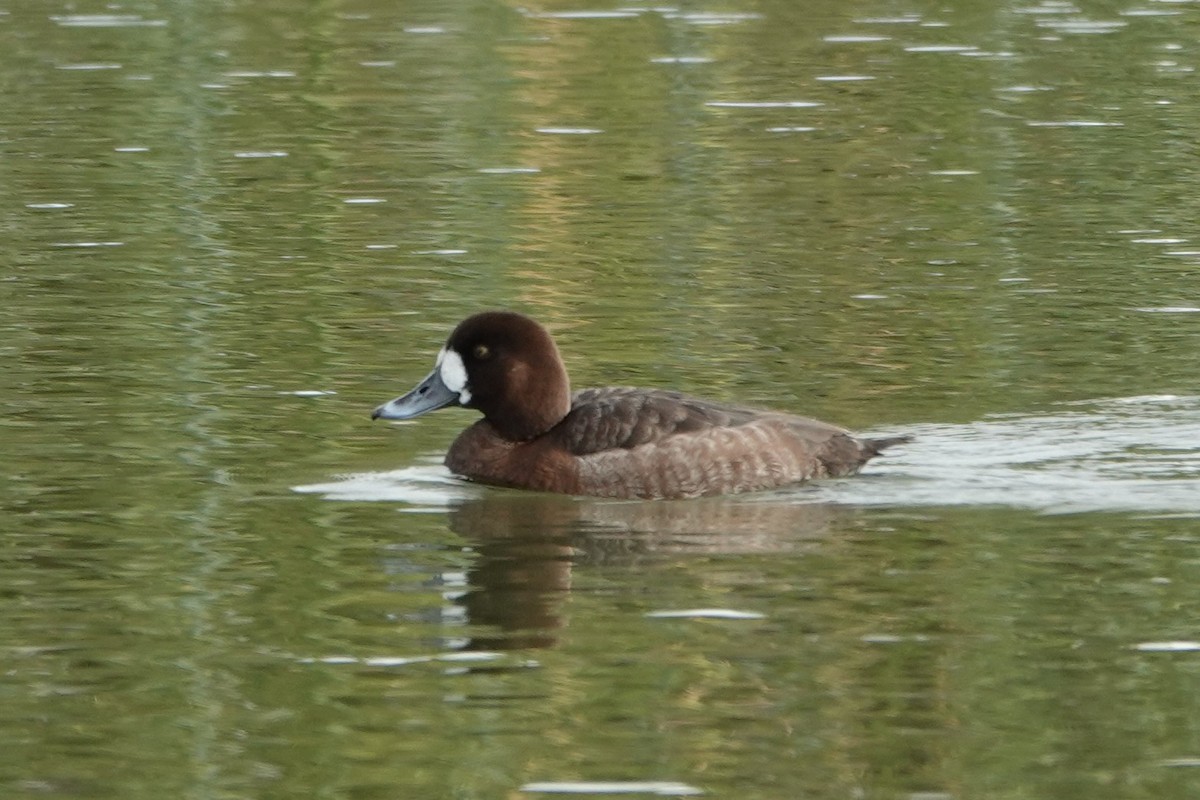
x: 229, y: 230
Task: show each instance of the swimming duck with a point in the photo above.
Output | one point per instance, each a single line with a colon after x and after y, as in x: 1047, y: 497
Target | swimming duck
x: 614, y: 441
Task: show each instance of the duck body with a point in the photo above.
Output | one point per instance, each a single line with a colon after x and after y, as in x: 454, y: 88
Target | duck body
x: 616, y: 442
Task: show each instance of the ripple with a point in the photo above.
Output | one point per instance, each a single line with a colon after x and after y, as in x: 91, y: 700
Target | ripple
x: 453, y: 657
x: 940, y: 48
x: 510, y: 170
x: 1134, y: 454
x: 426, y: 488
x: 998, y: 55
x: 272, y: 73
x: 1082, y: 26
x: 1150, y: 12
x: 763, y: 104
x: 907, y: 19
x: 106, y: 21
x: 705, y: 613
x: 713, y: 17
x: 681, y: 60
x: 1049, y: 7
x: 1168, y: 647
x: 569, y: 131
x: 584, y: 14
x: 855, y: 39
x: 844, y: 78
x: 1074, y: 123
x: 661, y: 788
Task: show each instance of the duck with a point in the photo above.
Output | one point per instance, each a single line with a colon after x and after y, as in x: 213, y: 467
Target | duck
x: 615, y: 442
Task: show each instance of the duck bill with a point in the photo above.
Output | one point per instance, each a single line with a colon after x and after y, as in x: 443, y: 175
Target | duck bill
x: 430, y: 395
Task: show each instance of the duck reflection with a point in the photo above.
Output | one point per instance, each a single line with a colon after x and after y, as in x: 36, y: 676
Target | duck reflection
x: 528, y: 545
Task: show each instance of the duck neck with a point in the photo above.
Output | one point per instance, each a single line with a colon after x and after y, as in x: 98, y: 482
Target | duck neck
x: 541, y: 403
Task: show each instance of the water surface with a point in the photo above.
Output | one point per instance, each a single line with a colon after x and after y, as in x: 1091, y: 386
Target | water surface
x: 231, y: 230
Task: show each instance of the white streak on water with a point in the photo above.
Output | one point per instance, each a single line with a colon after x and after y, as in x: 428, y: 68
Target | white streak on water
x: 705, y: 613
x: 763, y: 104
x: 1167, y: 647
x: 426, y: 488
x: 1134, y: 454
x: 661, y: 788
x: 106, y: 21
x: 569, y: 131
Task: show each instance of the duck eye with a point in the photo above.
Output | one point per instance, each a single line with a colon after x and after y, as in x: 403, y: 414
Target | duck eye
x: 481, y: 351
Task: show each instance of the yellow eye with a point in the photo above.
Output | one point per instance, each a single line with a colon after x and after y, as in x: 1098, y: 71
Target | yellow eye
x: 481, y: 351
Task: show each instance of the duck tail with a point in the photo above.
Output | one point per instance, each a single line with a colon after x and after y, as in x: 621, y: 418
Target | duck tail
x: 876, y: 446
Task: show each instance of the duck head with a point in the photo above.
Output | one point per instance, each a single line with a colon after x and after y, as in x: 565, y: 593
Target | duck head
x: 500, y: 363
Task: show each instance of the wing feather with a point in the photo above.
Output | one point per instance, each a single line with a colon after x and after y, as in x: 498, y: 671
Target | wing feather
x: 619, y: 418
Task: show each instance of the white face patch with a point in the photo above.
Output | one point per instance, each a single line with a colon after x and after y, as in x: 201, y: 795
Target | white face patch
x: 453, y: 374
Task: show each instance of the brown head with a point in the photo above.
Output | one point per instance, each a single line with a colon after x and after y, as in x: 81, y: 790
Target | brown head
x: 502, y: 363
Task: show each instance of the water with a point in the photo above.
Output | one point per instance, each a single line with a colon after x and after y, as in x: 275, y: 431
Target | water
x: 231, y: 231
